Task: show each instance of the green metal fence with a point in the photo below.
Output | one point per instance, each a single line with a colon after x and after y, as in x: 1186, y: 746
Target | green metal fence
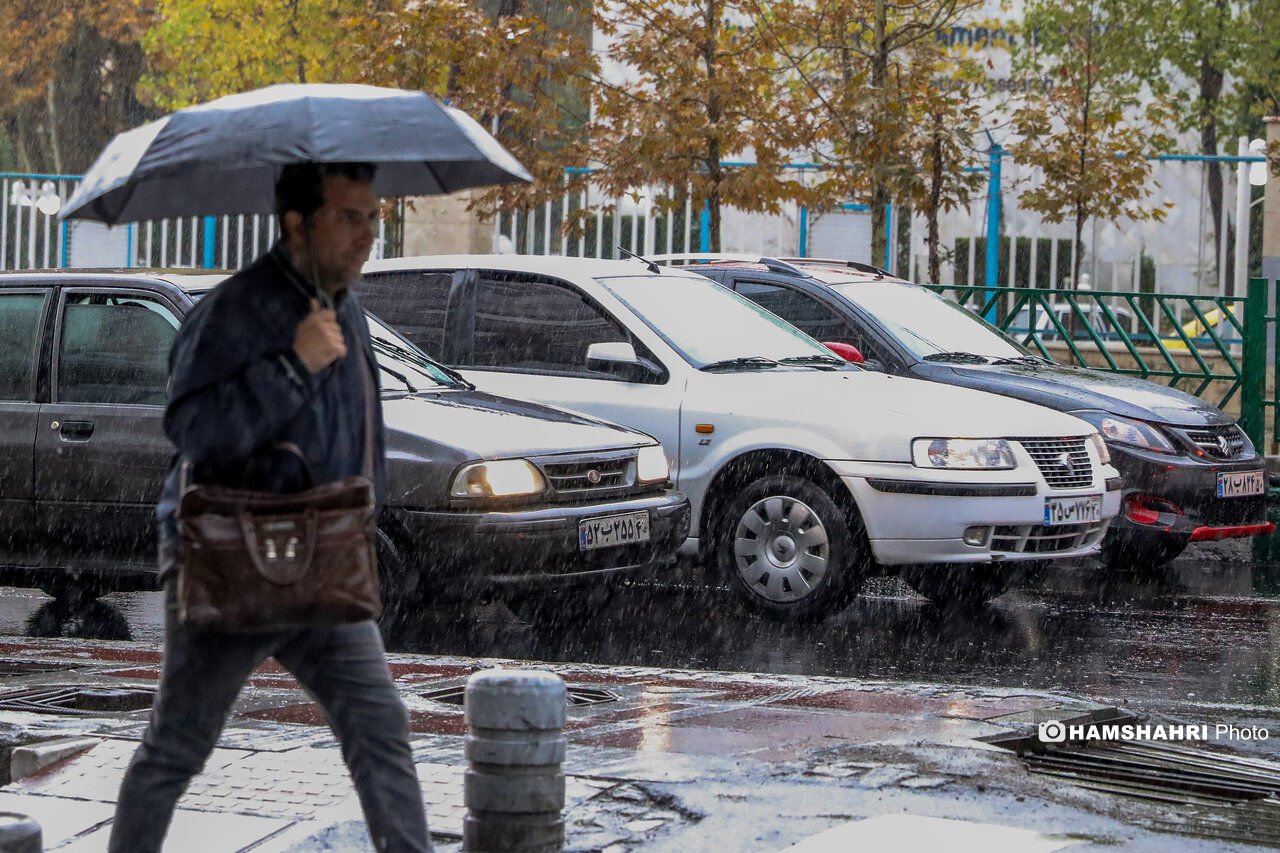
x: 1215, y: 347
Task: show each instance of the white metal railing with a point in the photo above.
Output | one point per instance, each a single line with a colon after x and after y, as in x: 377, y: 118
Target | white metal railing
x: 32, y: 238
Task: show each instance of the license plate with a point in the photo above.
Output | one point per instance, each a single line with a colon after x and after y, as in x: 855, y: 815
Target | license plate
x: 1080, y: 510
x: 611, y: 530
x: 1238, y: 484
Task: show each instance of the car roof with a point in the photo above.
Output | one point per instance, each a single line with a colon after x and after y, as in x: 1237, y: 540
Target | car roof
x: 552, y: 265
x: 824, y: 270
x: 189, y: 280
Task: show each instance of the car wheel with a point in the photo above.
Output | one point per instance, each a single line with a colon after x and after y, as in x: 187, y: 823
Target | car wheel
x: 957, y: 587
x: 397, y: 589
x: 88, y: 619
x: 790, y: 551
x: 1141, y: 552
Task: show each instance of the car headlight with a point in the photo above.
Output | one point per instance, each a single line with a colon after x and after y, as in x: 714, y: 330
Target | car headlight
x: 652, y: 465
x: 504, y: 478
x: 962, y: 453
x: 1100, y: 445
x: 1127, y: 431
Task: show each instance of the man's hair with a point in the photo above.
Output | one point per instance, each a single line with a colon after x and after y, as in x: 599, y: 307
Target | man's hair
x: 300, y: 185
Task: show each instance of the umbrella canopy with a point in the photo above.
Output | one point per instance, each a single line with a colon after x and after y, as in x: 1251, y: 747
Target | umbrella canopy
x: 223, y: 157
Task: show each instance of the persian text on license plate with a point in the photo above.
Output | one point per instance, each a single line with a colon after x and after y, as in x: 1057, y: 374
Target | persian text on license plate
x: 1239, y: 484
x: 1077, y: 510
x: 610, y: 530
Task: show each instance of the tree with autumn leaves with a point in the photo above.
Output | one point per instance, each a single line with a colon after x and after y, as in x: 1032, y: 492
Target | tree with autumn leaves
x: 1090, y: 128
x: 715, y: 96
x: 892, y: 112
x: 68, y: 75
x: 698, y: 100
x: 517, y: 66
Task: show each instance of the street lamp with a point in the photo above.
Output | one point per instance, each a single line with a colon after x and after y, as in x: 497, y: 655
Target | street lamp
x: 43, y: 198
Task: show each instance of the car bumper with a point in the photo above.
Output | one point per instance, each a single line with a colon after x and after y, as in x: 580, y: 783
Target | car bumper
x: 461, y: 551
x: 1191, y: 486
x: 913, y: 520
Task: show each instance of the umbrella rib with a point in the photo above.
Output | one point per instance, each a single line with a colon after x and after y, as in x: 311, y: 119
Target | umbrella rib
x: 436, y: 175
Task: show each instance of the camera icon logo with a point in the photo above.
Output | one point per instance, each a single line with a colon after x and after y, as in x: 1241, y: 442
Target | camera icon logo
x: 1052, y: 732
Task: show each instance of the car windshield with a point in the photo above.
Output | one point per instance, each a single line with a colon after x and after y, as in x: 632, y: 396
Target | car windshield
x: 404, y: 366
x: 709, y: 324
x: 928, y: 324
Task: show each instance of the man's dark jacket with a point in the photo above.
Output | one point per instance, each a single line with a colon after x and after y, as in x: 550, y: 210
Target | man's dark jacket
x: 236, y: 387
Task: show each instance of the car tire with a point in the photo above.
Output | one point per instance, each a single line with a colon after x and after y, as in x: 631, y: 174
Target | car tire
x: 397, y: 589
x: 1141, y: 552
x: 957, y: 587
x: 790, y: 551
x: 84, y: 619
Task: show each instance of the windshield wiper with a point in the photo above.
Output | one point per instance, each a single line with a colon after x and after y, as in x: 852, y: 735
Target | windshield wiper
x: 821, y: 362
x: 455, y: 376
x: 1021, y: 359
x: 747, y: 363
x: 417, y: 360
x: 399, y: 376
x: 966, y: 357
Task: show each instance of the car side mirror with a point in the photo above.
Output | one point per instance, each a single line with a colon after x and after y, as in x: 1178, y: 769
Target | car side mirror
x: 618, y: 358
x: 848, y: 352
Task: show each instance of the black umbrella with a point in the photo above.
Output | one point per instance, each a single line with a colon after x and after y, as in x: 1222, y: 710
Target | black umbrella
x: 223, y: 157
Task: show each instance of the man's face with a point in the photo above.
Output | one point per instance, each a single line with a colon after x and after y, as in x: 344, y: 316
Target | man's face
x: 341, y: 232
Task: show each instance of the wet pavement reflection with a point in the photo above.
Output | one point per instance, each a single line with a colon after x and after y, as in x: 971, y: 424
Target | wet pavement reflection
x: 1203, y: 636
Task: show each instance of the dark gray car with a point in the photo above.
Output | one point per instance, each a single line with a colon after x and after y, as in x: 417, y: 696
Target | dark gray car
x: 486, y: 495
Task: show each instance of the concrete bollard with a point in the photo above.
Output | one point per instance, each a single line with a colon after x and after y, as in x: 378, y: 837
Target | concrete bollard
x: 19, y: 834
x: 514, y: 788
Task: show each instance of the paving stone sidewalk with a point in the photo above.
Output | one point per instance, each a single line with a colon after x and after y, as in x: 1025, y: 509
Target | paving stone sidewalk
x: 657, y: 760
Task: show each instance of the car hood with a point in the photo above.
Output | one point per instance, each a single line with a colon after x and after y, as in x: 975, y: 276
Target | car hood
x: 429, y: 435
x: 1068, y: 388
x: 486, y: 426
x: 870, y: 415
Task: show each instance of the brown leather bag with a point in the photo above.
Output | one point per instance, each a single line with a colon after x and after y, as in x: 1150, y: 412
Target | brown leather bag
x: 249, y: 558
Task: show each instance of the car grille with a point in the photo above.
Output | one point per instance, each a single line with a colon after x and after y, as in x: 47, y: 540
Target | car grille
x: 1064, y: 462
x: 1038, y: 539
x: 575, y: 477
x: 1221, y: 442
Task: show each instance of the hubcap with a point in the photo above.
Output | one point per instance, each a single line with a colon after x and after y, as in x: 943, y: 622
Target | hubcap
x: 781, y: 549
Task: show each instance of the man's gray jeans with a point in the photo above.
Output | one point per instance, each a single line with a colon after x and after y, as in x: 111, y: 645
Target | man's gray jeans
x: 342, y: 665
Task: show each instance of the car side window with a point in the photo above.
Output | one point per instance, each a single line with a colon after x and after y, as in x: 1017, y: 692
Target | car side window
x: 810, y: 316
x: 20, y: 315
x: 799, y: 309
x: 524, y: 323
x: 115, y: 349
x: 413, y: 303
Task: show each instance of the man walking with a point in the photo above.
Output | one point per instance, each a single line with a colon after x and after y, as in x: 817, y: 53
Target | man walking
x: 275, y: 354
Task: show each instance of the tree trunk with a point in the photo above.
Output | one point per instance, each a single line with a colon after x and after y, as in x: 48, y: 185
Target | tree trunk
x: 879, y: 185
x: 1210, y: 92
x: 51, y: 106
x: 935, y: 201
x: 715, y: 115
x: 1077, y: 253
x: 13, y: 123
x: 713, y: 206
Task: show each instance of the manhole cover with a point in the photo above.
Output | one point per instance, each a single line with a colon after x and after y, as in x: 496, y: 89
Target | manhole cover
x: 18, y: 666
x: 1221, y: 794
x: 577, y: 694
x: 78, y: 701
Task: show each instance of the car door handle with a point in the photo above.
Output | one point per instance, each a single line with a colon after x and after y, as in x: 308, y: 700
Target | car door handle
x: 76, y: 430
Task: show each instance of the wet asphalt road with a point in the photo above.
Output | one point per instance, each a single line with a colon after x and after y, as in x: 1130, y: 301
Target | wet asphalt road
x: 1203, y: 642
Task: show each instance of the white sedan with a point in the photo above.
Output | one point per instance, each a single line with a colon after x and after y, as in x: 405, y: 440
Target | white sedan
x: 804, y: 473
